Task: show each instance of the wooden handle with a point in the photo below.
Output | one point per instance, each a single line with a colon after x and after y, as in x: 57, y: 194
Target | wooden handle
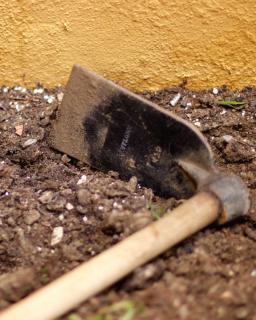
x: 110, y: 266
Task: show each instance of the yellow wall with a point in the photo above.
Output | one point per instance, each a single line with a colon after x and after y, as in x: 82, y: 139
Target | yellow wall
x: 147, y: 44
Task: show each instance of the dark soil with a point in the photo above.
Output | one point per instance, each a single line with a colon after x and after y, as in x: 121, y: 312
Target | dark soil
x: 56, y: 212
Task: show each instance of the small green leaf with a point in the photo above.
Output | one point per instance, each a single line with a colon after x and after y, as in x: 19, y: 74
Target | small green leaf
x: 232, y: 104
x: 156, y: 211
x: 74, y: 317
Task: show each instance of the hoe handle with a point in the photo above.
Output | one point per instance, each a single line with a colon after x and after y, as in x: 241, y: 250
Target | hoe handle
x: 110, y: 266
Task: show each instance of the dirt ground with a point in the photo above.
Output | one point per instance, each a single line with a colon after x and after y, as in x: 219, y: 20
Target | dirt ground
x: 56, y: 212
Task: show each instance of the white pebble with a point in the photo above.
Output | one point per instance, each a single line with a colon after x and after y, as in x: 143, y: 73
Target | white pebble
x: 253, y: 273
x: 60, y: 96
x: 175, y: 100
x: 61, y: 217
x: 5, y: 89
x: 223, y: 112
x: 197, y: 123
x: 19, y: 107
x: 243, y: 113
x: 85, y: 219
x: 50, y: 99
x: 38, y: 90
x: 189, y: 104
x: 227, y: 138
x: 69, y: 206
x: 29, y: 142
x: 17, y: 88
x: 57, y: 235
x: 82, y: 179
x: 215, y: 91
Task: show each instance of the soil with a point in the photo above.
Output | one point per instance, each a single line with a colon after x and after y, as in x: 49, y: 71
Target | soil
x: 56, y: 212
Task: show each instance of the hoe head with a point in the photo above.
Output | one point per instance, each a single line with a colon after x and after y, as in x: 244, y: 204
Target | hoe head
x: 111, y: 128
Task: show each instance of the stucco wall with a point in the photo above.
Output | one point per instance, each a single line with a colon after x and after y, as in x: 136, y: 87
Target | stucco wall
x: 147, y: 44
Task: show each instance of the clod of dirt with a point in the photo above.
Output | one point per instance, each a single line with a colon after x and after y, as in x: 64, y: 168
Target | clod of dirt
x: 234, y: 150
x: 31, y: 216
x: 126, y: 222
x: 17, y: 284
x: 142, y: 276
x: 46, y: 197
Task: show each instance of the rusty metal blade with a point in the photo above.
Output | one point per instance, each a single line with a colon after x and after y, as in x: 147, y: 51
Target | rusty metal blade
x: 111, y: 128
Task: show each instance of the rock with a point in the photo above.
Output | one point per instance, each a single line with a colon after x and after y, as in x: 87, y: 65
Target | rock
x: 175, y: 100
x: 57, y: 235
x: 19, y: 130
x: 215, y: 91
x: 69, y: 206
x: 233, y: 150
x: 60, y: 96
x: 71, y: 252
x: 82, y: 210
x: 29, y: 142
x: 65, y: 159
x: 45, y: 121
x: 140, y: 220
x: 82, y: 180
x: 32, y: 216
x: 15, y: 285
x: 117, y: 221
x: 83, y: 197
x: 132, y: 184
x: 66, y: 192
x: 46, y: 197
x: 143, y: 275
x: 57, y: 204
x: 242, y: 313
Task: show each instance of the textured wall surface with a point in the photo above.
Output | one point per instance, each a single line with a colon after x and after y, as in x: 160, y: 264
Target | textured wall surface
x: 139, y: 44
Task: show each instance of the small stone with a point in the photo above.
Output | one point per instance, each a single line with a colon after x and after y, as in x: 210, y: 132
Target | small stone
x: 227, y: 295
x: 132, y: 184
x: 85, y: 219
x: 45, y: 121
x: 197, y: 123
x: 241, y: 313
x: 57, y: 235
x: 61, y: 217
x: 19, y: 129
x: 253, y: 103
x: 29, y: 142
x: 60, y: 96
x: 46, y: 197
x: 5, y: 89
x: 215, y: 91
x: 83, y: 197
x: 175, y: 100
x: 65, y: 158
x: 50, y: 99
x: 227, y: 138
x: 57, y: 204
x: 19, y: 107
x: 253, y: 273
x: 31, y: 217
x: 81, y: 209
x: 38, y: 90
x: 69, y: 206
x: 66, y: 192
x: 82, y: 180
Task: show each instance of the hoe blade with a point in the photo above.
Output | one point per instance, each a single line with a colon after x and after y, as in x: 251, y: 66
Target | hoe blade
x: 111, y: 128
